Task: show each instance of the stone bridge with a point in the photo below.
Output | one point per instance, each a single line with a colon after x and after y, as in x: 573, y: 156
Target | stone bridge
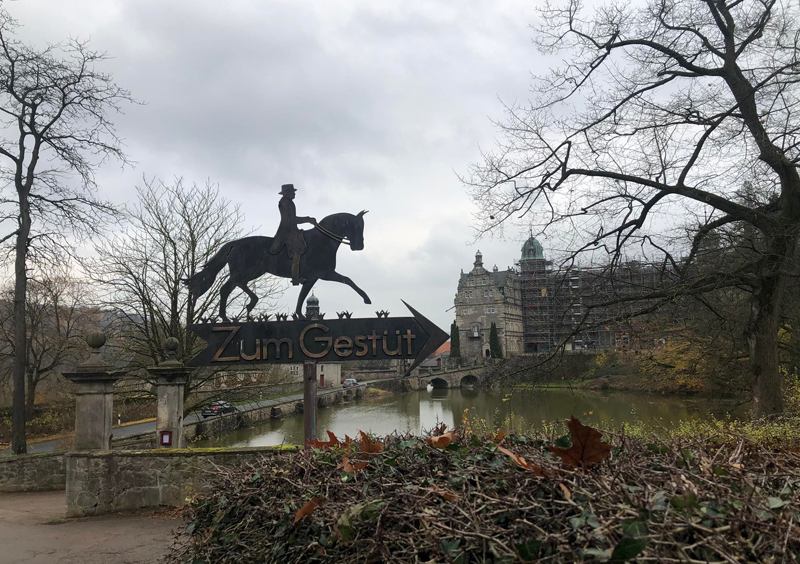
x: 461, y: 377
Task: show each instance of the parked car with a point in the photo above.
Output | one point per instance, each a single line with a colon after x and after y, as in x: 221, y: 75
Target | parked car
x: 349, y: 383
x: 218, y: 407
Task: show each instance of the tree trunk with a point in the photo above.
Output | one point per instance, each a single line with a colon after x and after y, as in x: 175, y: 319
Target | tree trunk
x: 18, y: 441
x: 766, y: 378
x: 30, y: 392
x: 762, y: 334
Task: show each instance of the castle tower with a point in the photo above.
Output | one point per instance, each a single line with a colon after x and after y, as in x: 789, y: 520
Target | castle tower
x: 312, y: 307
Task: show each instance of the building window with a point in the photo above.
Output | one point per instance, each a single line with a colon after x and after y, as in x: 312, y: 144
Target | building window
x: 240, y: 375
x: 476, y: 330
x: 471, y: 282
x: 490, y: 309
x: 294, y: 370
x: 483, y: 281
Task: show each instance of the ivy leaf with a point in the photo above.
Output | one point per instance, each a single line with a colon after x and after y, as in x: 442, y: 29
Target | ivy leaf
x: 586, y: 449
x: 628, y: 549
x: 564, y: 442
x: 683, y: 501
x: 719, y: 471
x: 634, y: 528
x: 449, y: 547
x: 657, y: 449
x: 529, y: 551
x: 776, y: 502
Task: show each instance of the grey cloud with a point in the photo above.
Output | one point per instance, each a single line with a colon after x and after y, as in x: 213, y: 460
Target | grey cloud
x: 360, y: 104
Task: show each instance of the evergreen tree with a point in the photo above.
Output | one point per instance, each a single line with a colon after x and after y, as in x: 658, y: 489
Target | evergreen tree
x: 494, y: 343
x: 455, y: 341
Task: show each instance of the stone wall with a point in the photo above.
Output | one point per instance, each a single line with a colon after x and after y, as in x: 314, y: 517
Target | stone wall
x: 101, y: 482
x: 254, y: 414
x: 32, y: 473
x: 374, y: 374
x: 396, y: 385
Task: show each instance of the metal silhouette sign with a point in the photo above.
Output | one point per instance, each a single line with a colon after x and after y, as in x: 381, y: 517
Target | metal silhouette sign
x: 287, y: 342
x: 303, y: 256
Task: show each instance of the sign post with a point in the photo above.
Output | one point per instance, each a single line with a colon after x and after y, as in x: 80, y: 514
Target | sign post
x: 313, y: 340
x: 309, y: 400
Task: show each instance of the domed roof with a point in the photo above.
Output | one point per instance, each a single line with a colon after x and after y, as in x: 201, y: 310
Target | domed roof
x: 312, y: 300
x: 532, y: 249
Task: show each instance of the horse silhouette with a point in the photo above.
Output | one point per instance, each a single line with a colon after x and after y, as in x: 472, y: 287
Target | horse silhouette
x: 249, y: 257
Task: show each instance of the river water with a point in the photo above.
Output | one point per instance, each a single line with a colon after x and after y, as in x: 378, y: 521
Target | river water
x: 416, y: 411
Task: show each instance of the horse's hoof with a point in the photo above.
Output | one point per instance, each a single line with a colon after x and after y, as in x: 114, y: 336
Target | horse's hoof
x: 367, y: 301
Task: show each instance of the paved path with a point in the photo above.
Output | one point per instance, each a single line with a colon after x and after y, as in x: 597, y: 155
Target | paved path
x: 150, y: 427
x: 33, y: 531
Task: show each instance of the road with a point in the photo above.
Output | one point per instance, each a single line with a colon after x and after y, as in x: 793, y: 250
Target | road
x: 33, y: 531
x: 127, y: 431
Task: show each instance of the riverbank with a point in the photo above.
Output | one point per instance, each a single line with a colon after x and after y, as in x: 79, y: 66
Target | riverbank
x: 468, y: 497
x: 628, y: 379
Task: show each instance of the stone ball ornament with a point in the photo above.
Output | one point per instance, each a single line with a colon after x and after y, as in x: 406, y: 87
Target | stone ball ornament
x: 171, y: 344
x: 95, y: 339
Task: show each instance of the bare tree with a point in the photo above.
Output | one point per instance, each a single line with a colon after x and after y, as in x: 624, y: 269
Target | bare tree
x: 54, y: 113
x: 169, y: 235
x: 661, y: 109
x: 58, y: 315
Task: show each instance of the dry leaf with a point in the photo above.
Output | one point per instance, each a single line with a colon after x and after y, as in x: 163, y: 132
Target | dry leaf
x: 324, y: 445
x: 368, y: 446
x: 442, y: 441
x: 522, y: 463
x: 352, y: 468
x: 586, y: 449
x: 308, y: 508
x: 449, y: 495
x: 565, y: 491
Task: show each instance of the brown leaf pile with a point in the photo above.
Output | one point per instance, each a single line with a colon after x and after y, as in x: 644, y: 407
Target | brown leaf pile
x: 472, y: 501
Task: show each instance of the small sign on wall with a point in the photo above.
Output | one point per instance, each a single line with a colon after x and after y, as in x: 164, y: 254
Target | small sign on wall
x: 165, y: 438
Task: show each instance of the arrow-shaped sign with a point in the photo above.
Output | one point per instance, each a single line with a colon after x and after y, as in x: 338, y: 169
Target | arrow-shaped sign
x: 289, y: 342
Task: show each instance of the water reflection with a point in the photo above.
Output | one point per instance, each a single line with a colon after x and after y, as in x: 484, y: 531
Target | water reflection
x: 416, y: 411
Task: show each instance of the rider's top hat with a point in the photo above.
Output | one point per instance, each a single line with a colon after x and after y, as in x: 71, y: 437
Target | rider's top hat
x: 287, y: 189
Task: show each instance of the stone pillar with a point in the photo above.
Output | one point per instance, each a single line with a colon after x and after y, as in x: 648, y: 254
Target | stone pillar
x: 171, y: 377
x: 94, y: 398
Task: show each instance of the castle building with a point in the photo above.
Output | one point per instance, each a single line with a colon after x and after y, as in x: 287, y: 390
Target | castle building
x: 484, y: 298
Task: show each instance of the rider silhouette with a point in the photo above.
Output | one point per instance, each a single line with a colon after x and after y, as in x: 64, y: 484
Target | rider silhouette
x: 288, y: 234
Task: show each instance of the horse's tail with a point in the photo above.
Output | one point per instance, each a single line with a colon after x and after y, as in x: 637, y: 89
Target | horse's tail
x: 202, y: 280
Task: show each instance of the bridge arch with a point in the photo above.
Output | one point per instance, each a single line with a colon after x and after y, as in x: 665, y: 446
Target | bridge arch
x: 439, y: 383
x: 469, y: 381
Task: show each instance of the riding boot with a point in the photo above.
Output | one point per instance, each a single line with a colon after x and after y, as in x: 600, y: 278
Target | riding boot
x: 296, y: 280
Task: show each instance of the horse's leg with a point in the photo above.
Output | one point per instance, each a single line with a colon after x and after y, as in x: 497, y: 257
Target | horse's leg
x: 224, y: 292
x: 253, y: 298
x: 336, y: 277
x: 307, y: 285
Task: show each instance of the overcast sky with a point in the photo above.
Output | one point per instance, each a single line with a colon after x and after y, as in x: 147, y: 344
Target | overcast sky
x: 361, y: 104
